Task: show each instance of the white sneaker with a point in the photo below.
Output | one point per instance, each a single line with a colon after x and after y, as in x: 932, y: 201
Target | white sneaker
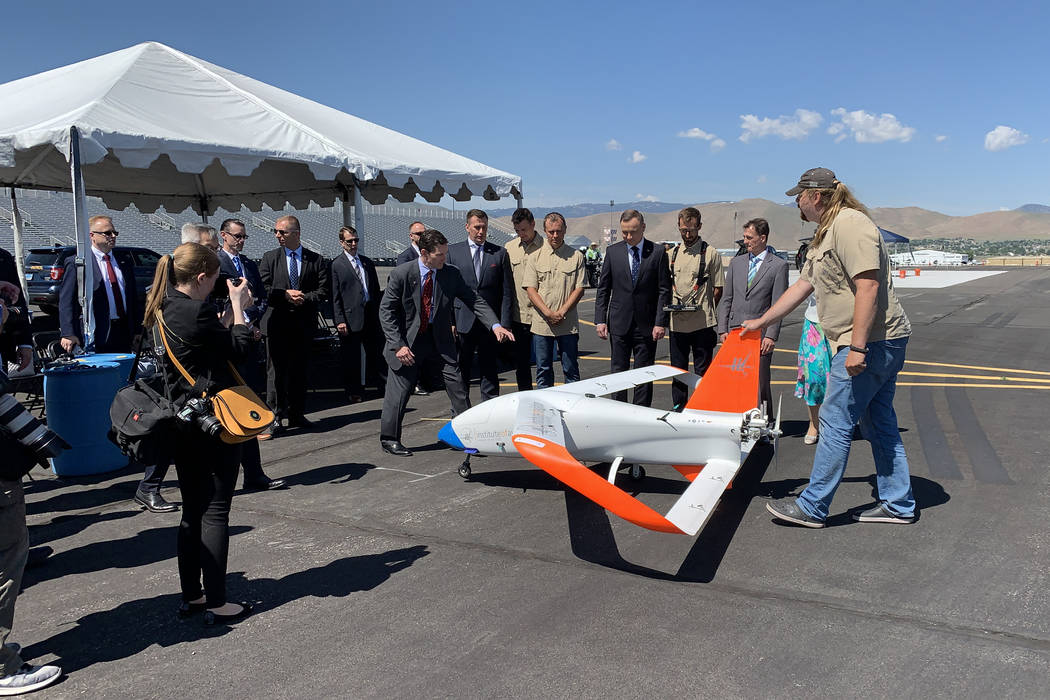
x: 29, y: 678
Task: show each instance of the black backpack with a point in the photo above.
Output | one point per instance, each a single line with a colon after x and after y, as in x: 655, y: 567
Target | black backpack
x: 143, y: 418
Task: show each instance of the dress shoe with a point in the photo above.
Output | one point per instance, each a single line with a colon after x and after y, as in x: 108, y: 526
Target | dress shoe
x: 301, y: 422
x: 355, y: 398
x: 211, y: 618
x: 190, y: 609
x: 420, y: 391
x: 154, y: 502
x: 394, y: 447
x: 264, y: 484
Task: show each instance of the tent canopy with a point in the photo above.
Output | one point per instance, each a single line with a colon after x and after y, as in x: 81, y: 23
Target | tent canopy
x: 891, y: 237
x: 160, y: 127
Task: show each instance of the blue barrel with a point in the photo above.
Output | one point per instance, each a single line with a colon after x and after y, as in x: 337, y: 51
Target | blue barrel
x: 77, y: 399
x: 124, y: 359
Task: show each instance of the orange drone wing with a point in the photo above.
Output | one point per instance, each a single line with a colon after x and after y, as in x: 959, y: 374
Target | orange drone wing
x: 731, y: 382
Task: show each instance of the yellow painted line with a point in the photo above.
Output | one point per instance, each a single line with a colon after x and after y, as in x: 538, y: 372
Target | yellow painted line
x: 945, y: 364
x: 587, y: 323
x: 948, y: 376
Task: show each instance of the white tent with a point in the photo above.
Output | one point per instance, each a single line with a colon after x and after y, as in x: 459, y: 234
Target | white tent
x: 153, y: 126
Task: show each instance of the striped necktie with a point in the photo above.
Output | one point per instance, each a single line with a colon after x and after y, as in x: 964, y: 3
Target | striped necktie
x: 237, y: 264
x: 752, y: 267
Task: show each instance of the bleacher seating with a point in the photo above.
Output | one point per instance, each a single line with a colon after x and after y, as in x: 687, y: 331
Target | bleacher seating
x: 385, y: 234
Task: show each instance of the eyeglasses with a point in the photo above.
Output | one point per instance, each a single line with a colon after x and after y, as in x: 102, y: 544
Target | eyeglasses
x: 351, y: 240
x: 282, y: 232
x: 109, y: 234
x: 238, y: 236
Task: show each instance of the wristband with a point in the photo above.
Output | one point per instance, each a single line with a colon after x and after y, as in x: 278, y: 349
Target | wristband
x: 862, y: 351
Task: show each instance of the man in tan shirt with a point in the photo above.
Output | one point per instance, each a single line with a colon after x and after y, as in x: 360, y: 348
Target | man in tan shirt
x: 554, y: 281
x: 518, y: 253
x: 697, y: 280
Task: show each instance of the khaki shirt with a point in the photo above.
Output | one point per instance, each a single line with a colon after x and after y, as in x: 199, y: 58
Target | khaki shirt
x: 852, y: 245
x: 518, y: 254
x: 685, y: 268
x: 555, y: 274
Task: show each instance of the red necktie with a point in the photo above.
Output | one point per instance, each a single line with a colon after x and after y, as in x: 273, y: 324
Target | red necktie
x: 428, y: 301
x: 115, y: 286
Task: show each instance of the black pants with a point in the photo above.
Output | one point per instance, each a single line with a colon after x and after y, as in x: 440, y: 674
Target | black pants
x: 152, y: 478
x: 642, y: 346
x: 701, y: 344
x: 350, y: 363
x: 523, y: 355
x: 287, y: 360
x: 480, y: 340
x: 207, y: 470
x: 401, y: 381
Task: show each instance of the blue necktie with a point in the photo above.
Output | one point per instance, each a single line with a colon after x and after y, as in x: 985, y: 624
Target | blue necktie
x: 635, y: 264
x: 237, y: 264
x: 751, y: 268
x: 293, y: 272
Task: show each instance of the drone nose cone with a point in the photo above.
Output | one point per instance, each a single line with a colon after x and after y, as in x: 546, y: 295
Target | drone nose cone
x: 448, y: 436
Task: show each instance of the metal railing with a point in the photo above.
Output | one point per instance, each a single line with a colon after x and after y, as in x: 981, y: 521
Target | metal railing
x: 164, y: 221
x: 261, y: 222
x: 9, y: 215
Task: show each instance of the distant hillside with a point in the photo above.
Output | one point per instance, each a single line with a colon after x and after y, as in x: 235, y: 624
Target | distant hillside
x: 1034, y: 208
x: 722, y: 222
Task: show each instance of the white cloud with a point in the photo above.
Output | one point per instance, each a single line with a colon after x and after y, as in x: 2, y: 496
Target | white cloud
x: 646, y: 198
x: 940, y: 138
x: 637, y: 157
x: 613, y: 145
x: 869, y: 128
x: 1002, y: 137
x: 761, y: 179
x: 717, y: 144
x: 795, y: 127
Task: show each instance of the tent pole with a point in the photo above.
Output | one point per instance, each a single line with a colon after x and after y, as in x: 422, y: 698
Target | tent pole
x: 357, y: 221
x: 16, y: 226
x: 85, y: 273
x: 359, y: 210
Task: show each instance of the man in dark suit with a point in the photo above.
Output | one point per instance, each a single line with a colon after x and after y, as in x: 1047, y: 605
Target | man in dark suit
x: 16, y: 342
x: 233, y: 264
x: 486, y: 270
x: 416, y: 315
x: 296, y: 280
x: 118, y: 316
x: 633, y: 288
x: 753, y: 283
x: 412, y: 251
x: 355, y: 312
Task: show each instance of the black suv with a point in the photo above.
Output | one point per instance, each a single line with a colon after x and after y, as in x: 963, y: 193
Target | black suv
x: 44, y: 268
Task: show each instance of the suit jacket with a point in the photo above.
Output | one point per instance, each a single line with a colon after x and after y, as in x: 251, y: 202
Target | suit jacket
x: 255, y: 283
x: 406, y: 255
x: 496, y: 285
x: 281, y: 315
x: 348, y: 295
x: 741, y: 304
x: 70, y: 321
x: 399, y: 311
x: 618, y: 304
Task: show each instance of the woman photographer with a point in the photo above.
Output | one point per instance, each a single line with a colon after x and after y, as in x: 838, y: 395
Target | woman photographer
x: 207, y: 467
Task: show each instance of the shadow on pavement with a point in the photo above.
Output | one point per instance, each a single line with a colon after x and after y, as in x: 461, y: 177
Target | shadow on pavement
x: 132, y: 627
x: 331, y: 474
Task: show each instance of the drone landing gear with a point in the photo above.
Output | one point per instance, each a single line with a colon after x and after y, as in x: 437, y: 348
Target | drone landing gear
x: 464, y: 469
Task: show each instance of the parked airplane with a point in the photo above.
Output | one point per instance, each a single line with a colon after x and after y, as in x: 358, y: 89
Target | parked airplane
x: 560, y: 427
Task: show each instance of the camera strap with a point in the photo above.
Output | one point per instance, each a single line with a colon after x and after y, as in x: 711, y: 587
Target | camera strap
x: 196, y: 385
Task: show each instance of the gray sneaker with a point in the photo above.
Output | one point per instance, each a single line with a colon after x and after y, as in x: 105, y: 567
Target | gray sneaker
x: 787, y: 509
x: 29, y: 678
x: 880, y: 514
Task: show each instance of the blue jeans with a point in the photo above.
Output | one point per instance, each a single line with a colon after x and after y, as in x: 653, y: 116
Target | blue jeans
x: 568, y: 348
x: 866, y: 399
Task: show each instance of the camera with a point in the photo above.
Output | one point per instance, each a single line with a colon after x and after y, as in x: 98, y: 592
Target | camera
x: 221, y: 291
x: 197, y: 412
x: 28, y: 430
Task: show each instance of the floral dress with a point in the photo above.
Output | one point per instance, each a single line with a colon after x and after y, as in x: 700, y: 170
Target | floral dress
x: 814, y: 359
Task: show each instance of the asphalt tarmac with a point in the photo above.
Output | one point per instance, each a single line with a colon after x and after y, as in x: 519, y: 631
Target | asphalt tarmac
x: 379, y: 577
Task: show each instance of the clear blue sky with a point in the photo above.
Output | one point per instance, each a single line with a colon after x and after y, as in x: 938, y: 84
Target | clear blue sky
x: 587, y: 101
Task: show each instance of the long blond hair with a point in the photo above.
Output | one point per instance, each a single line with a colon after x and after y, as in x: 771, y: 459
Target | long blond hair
x: 188, y: 261
x: 838, y: 198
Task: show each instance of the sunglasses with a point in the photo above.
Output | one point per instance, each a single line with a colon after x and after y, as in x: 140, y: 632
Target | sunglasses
x: 238, y: 236
x: 108, y: 234
x: 283, y: 232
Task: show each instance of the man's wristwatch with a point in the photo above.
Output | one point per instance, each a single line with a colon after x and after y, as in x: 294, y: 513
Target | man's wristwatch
x: 862, y: 351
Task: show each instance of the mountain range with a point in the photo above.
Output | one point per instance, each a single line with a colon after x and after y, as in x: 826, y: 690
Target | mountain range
x: 723, y: 221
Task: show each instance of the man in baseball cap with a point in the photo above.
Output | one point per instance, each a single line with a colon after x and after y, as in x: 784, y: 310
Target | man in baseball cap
x: 814, y: 179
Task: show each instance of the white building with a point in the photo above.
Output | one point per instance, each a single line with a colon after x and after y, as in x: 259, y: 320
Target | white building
x: 929, y: 257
